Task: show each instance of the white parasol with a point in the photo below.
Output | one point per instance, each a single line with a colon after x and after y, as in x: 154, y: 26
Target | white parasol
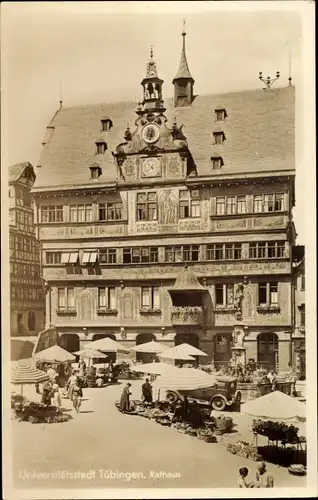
x: 90, y: 353
x: 149, y: 347
x: 107, y: 345
x: 190, y: 349
x: 24, y: 372
x: 186, y: 379
x: 275, y: 406
x: 177, y: 353
x: 54, y: 354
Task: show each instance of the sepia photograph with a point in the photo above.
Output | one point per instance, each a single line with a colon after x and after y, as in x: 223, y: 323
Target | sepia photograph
x: 158, y: 249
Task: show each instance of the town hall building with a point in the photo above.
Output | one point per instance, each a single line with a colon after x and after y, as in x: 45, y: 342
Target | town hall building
x: 171, y: 219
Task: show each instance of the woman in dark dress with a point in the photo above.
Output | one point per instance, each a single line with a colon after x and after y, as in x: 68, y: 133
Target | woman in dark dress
x: 146, y: 389
x: 124, y: 405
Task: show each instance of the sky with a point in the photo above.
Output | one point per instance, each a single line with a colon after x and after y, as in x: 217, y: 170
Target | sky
x: 90, y: 52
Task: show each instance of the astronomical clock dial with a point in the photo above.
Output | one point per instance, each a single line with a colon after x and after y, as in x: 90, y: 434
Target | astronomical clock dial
x: 151, y: 167
x: 150, y: 133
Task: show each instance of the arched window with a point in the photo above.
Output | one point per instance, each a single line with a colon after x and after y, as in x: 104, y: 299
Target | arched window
x: 31, y: 321
x: 267, y: 350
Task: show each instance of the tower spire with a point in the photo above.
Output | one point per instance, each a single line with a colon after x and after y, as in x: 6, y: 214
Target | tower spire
x: 183, y: 71
x: 183, y: 81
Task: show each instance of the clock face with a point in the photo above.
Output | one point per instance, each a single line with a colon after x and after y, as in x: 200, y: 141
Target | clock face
x: 150, y: 133
x: 151, y: 167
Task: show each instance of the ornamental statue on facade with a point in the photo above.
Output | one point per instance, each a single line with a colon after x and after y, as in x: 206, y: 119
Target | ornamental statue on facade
x: 238, y: 299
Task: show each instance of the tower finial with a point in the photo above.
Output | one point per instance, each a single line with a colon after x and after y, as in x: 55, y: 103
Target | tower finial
x: 151, y: 65
x: 184, y: 25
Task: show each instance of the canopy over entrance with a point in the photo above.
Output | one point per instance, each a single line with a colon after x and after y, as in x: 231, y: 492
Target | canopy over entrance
x: 187, y: 282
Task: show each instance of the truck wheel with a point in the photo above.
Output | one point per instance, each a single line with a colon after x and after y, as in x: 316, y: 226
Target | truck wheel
x: 171, y: 397
x: 218, y: 403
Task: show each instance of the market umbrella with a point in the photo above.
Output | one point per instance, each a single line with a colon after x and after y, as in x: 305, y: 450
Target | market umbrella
x: 149, y: 347
x: 154, y: 368
x: 186, y: 379
x: 107, y: 345
x: 54, y: 354
x: 189, y: 349
x: 90, y: 353
x: 176, y: 353
x: 275, y: 406
x: 24, y: 372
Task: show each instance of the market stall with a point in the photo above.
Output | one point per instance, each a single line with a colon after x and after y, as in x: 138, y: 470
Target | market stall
x: 274, y: 414
x: 182, y: 352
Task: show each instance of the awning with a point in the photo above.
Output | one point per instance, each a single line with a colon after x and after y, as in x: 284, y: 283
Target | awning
x: 54, y: 354
x: 187, y: 282
x: 69, y: 257
x: 275, y: 406
x: 89, y: 257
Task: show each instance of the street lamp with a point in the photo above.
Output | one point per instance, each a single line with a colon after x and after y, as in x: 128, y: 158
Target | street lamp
x: 268, y: 80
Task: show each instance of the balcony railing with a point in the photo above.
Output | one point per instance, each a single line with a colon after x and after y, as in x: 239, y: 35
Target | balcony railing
x: 187, y: 315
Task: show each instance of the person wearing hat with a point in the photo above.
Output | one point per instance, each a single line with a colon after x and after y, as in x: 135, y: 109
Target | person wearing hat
x: 263, y: 479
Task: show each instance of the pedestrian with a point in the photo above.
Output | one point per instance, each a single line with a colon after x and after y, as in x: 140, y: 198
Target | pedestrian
x: 47, y: 393
x: 146, y: 390
x: 82, y: 368
x: 69, y: 384
x: 263, y: 478
x: 56, y: 393
x: 124, y: 405
x: 195, y: 416
x: 292, y: 378
x: 272, y: 379
x: 185, y: 407
x: 51, y: 372
x: 242, y: 480
x: 76, y: 395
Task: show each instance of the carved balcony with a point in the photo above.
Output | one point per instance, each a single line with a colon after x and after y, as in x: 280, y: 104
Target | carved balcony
x: 187, y: 315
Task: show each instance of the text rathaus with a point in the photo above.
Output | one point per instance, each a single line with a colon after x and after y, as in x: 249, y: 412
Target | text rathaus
x: 177, y: 227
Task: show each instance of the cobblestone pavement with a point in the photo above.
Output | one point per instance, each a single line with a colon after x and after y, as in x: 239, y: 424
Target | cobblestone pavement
x: 100, y: 440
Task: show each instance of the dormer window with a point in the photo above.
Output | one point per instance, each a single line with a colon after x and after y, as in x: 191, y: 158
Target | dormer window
x: 217, y: 162
x: 220, y: 114
x: 106, y: 124
x: 219, y: 137
x: 96, y: 171
x: 101, y: 147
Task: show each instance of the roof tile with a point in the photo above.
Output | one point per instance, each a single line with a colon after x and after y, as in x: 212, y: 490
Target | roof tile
x: 259, y: 132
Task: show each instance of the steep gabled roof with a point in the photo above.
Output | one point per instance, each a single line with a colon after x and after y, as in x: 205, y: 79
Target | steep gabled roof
x: 17, y: 170
x: 259, y: 130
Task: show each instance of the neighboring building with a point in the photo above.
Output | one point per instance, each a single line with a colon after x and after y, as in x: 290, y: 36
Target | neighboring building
x: 121, y: 210
x: 27, y: 296
x: 299, y: 331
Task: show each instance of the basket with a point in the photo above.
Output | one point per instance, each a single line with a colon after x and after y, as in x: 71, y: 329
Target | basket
x: 297, y: 469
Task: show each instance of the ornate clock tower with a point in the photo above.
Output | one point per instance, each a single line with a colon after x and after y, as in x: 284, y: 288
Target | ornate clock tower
x: 153, y: 150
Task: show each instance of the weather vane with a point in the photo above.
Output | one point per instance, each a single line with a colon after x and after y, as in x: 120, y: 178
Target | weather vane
x: 268, y: 81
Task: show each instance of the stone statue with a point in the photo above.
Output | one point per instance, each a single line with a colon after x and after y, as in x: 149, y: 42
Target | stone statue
x: 169, y: 211
x: 238, y: 337
x: 239, y: 294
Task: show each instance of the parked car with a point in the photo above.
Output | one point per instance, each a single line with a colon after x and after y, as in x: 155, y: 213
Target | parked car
x: 223, y: 394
